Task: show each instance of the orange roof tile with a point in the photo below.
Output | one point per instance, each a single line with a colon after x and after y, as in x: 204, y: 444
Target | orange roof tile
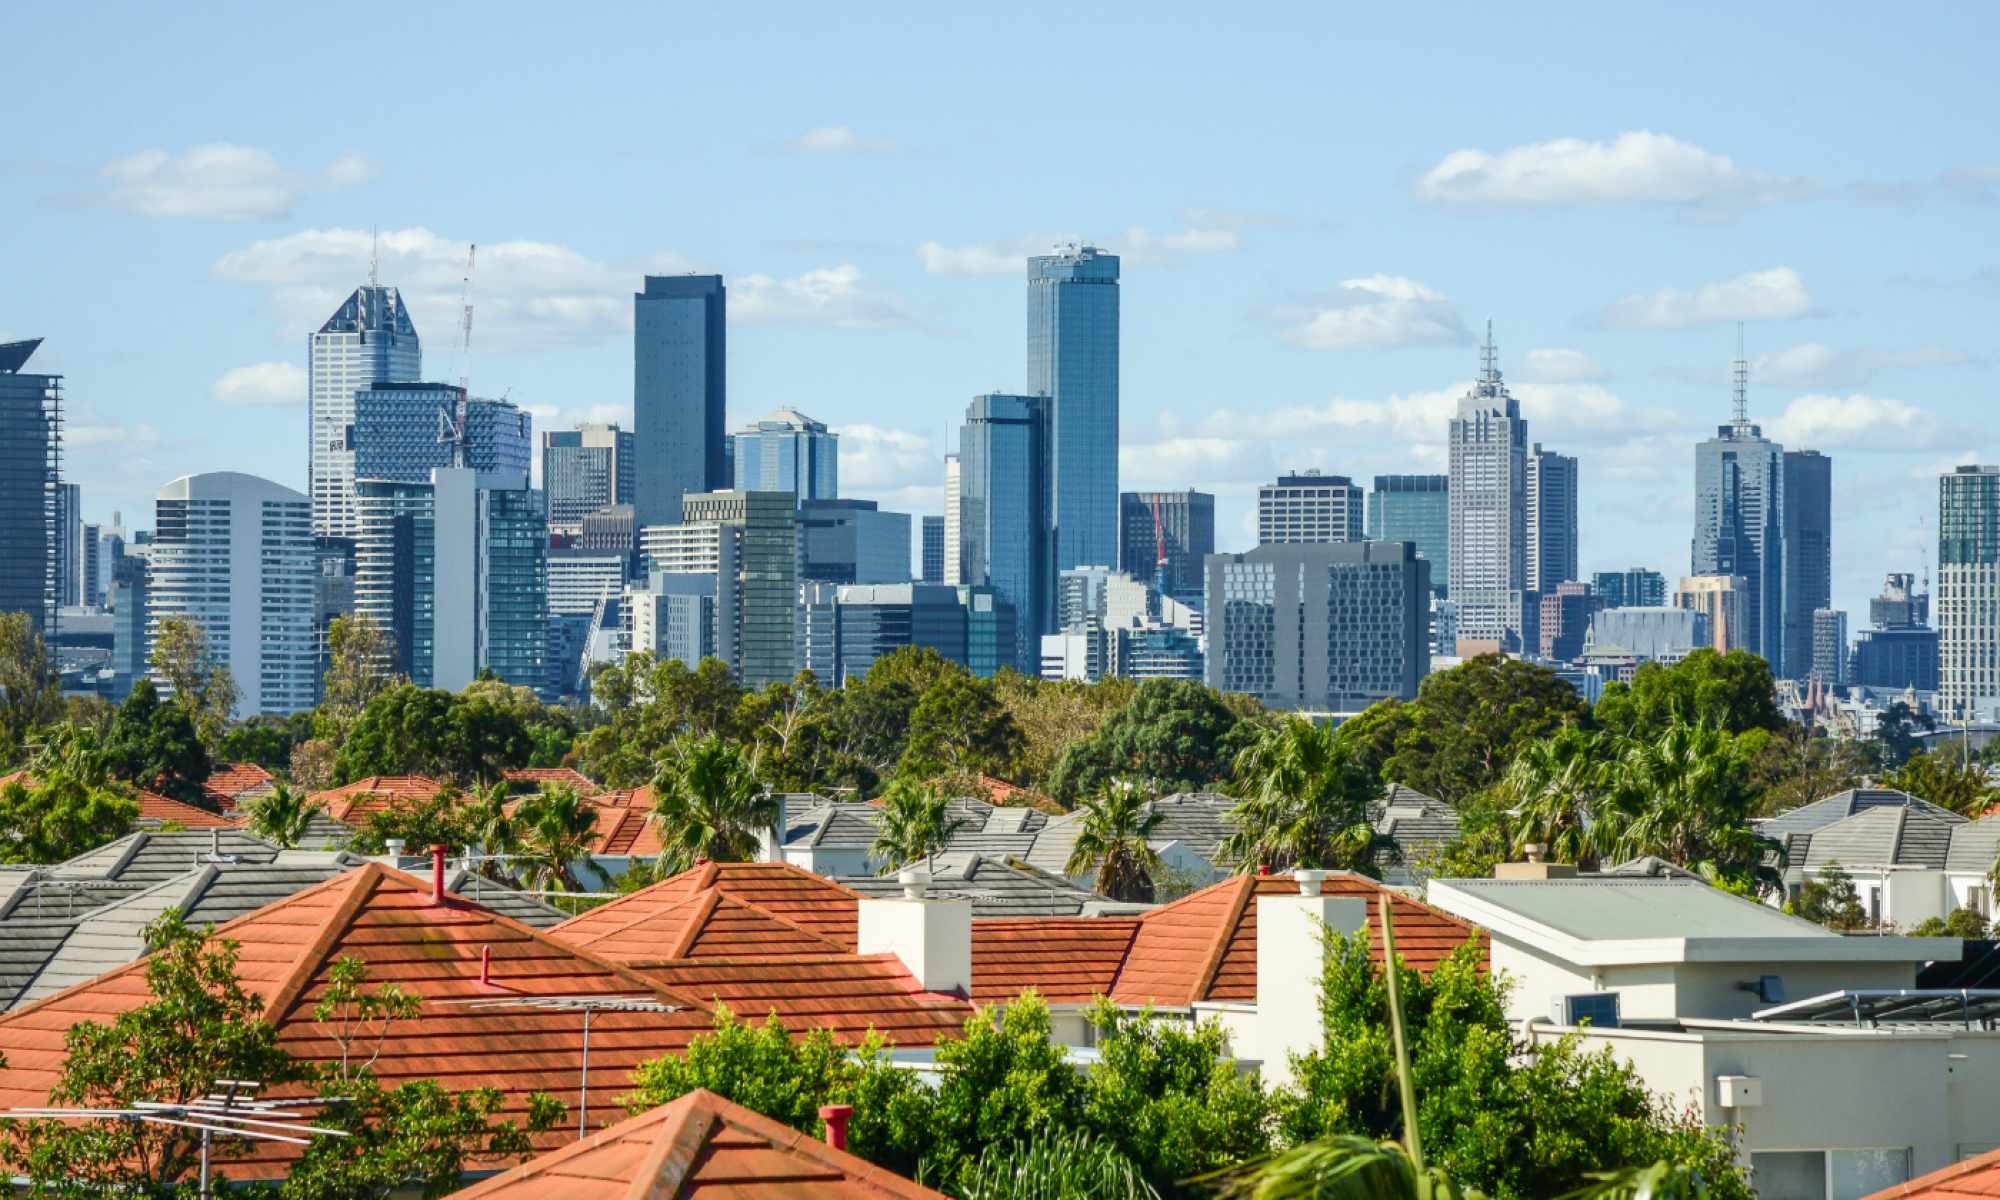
x: 1070, y: 960
x: 353, y: 802
x: 155, y: 807
x: 700, y: 1147
x: 1977, y: 1176
x: 781, y: 889
x: 231, y: 782
x: 707, y: 924
x: 541, y: 775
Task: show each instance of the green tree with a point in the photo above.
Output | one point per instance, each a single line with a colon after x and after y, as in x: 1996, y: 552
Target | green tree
x: 557, y: 828
x: 790, y: 724
x: 1062, y: 1165
x: 1168, y: 1096
x: 1304, y: 803
x: 64, y: 804
x: 491, y: 827
x: 1466, y: 725
x: 489, y: 732
x: 1113, y: 842
x: 406, y: 730
x: 1830, y: 899
x: 198, y: 678
x: 960, y: 728
x: 1176, y: 734
x: 1053, y: 714
x: 1962, y: 923
x: 1945, y: 778
x: 1687, y: 797
x: 30, y: 685
x: 363, y: 667
x: 282, y: 815
x: 1551, y: 787
x: 1733, y: 692
x: 709, y: 804
x: 649, y: 705
x: 264, y: 740
x: 1797, y: 767
x: 915, y: 823
x: 440, y: 820
x: 154, y: 745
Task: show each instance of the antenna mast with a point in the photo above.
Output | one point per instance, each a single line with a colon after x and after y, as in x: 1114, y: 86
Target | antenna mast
x: 465, y: 371
x: 1489, y: 369
x: 1159, y: 544
x: 1740, y: 397
x: 374, y: 252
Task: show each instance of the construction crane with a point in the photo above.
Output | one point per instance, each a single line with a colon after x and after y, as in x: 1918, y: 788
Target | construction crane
x: 1160, y: 545
x: 465, y: 366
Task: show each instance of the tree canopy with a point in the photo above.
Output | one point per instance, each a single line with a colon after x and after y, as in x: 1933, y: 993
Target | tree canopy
x: 1174, y: 734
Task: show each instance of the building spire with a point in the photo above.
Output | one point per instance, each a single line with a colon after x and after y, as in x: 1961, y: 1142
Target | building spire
x: 1489, y: 369
x: 1740, y: 397
x: 374, y: 251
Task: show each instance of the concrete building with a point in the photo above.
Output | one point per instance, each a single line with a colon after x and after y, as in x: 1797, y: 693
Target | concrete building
x: 873, y: 621
x: 30, y: 479
x: 402, y: 431
x: 1327, y: 628
x: 1488, y: 557
x: 1901, y: 651
x: 1090, y: 651
x: 1551, y: 520
x: 682, y: 616
x: 1567, y: 610
x: 1739, y: 524
x: 788, y: 452
x: 1007, y: 537
x: 1310, y: 509
x: 235, y: 553
x: 1725, y: 601
x: 954, y: 524
x: 586, y: 470
x: 580, y: 579
x: 1176, y: 526
x: 368, y: 340
x: 707, y: 549
x: 850, y: 541
x: 768, y: 574
x: 1073, y: 362
x: 1415, y: 508
x: 1634, y: 587
x: 1649, y: 634
x: 679, y: 393
x: 1968, y: 616
x: 1808, y: 529
x: 932, y: 550
x: 1829, y: 646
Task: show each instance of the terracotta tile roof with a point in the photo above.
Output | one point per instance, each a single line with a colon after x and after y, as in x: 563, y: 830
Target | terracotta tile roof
x: 780, y: 889
x: 700, y: 1147
x: 708, y: 924
x: 1066, y: 960
x: 1978, y: 1176
x: 155, y: 807
x: 230, y: 783
x: 541, y: 775
x: 355, y: 801
x: 628, y: 831
x: 1000, y: 792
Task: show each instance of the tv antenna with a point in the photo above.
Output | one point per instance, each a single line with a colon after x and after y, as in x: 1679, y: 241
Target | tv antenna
x: 374, y: 251
x: 588, y: 1006
x: 1739, y: 399
x: 465, y: 367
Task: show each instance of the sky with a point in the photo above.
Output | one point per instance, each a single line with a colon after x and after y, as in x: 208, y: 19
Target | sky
x: 1318, y: 208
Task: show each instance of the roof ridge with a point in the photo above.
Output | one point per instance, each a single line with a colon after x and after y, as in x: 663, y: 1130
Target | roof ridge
x: 367, y: 880
x: 1206, y: 980
x: 705, y: 903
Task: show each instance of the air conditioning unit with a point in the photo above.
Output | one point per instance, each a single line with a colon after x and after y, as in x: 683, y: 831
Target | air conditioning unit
x: 1586, y: 1008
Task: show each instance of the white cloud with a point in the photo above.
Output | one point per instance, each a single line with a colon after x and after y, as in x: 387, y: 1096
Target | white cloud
x: 840, y: 139
x: 1137, y: 248
x: 1230, y: 218
x: 1975, y: 183
x: 1753, y: 296
x: 873, y: 458
x: 1861, y: 422
x: 218, y: 182
x: 1810, y: 364
x: 1557, y: 366
x: 526, y: 295
x: 1638, y: 168
x: 841, y: 298
x: 1377, y: 313
x: 1585, y: 414
x: 273, y: 384
x: 1007, y: 256
x: 88, y: 435
x: 568, y: 416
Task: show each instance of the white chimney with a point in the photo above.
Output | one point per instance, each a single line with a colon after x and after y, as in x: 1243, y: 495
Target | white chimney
x: 933, y: 937
x: 1290, y: 952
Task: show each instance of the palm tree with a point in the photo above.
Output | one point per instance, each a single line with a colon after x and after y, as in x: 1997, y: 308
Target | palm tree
x: 1113, y: 836
x: 282, y: 816
x: 1687, y: 797
x: 557, y: 828
x: 709, y: 803
x: 915, y: 823
x: 494, y: 829
x: 1550, y: 789
x: 1304, y: 804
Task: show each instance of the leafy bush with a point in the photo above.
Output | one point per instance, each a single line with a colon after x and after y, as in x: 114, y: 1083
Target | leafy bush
x: 1072, y: 1165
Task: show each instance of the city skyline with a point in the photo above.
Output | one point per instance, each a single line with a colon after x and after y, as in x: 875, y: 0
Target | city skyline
x: 1285, y: 311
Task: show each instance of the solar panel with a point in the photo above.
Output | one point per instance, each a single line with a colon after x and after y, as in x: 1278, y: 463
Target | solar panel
x: 1962, y: 1006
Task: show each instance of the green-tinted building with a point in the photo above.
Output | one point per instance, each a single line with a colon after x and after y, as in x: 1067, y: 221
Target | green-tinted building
x: 1968, y: 590
x: 768, y: 568
x: 1415, y: 508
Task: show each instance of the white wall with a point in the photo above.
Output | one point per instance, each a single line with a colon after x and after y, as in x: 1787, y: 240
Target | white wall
x: 455, y: 549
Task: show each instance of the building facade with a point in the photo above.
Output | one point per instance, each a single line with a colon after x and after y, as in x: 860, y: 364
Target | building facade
x: 403, y: 431
x: 30, y: 481
x: 1565, y: 624
x: 679, y: 393
x: 1968, y: 612
x: 1649, y: 634
x: 1415, y: 508
x: 1006, y: 535
x: 1739, y: 500
x: 851, y: 541
x: 1488, y: 558
x: 932, y: 550
x: 707, y: 551
x: 1175, y: 527
x: 586, y: 470
x: 234, y: 553
x: 875, y: 620
x: 1901, y: 651
x: 1829, y: 646
x: 1808, y: 532
x: 767, y: 575
x: 368, y: 340
x: 1634, y: 587
x: 1310, y: 509
x: 788, y: 452
x: 1725, y: 601
x: 1073, y: 361
x: 1551, y: 520
x: 954, y: 523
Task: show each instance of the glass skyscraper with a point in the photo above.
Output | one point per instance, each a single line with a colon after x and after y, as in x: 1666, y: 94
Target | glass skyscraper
x: 1808, y: 560
x: 30, y: 478
x: 1551, y: 480
x: 680, y: 356
x: 1488, y: 557
x: 1073, y: 360
x: 368, y: 340
x: 1739, y: 504
x: 1968, y: 590
x: 586, y: 470
x: 788, y: 452
x: 768, y: 571
x: 1415, y: 508
x: 1180, y: 524
x: 1004, y: 510
x: 399, y: 432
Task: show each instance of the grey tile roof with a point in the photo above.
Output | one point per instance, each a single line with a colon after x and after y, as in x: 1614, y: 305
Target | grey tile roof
x: 1974, y: 846
x: 1811, y: 818
x: 151, y: 856
x: 1647, y: 866
x: 26, y: 945
x: 999, y: 888
x: 834, y: 826
x: 1883, y: 836
x: 506, y: 901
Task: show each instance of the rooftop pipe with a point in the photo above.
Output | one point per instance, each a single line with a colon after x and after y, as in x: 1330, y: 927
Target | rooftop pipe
x: 437, y: 875
x: 835, y: 1116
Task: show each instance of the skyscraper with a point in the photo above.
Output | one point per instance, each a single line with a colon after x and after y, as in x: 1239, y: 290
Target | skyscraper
x: 1808, y: 532
x: 368, y: 340
x: 1415, y: 508
x: 1739, y: 497
x: 1179, y: 524
x: 585, y: 470
x: 1634, y: 587
x: 1309, y: 509
x: 30, y: 475
x: 851, y: 541
x: 69, y: 544
x: 1073, y: 360
x: 1004, y: 512
x: 1902, y: 650
x: 1551, y: 520
x: 679, y: 391
x: 1489, y: 511
x: 768, y: 571
x: 402, y: 431
x: 1829, y: 646
x: 789, y: 452
x: 1725, y: 601
x: 933, y: 550
x: 954, y: 524
x: 1968, y: 613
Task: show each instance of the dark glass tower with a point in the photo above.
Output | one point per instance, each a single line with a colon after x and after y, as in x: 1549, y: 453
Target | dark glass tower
x: 1004, y: 506
x: 30, y: 477
x: 1808, y: 555
x: 1415, y: 508
x: 1073, y: 360
x: 1739, y: 506
x: 679, y: 352
x: 1180, y: 525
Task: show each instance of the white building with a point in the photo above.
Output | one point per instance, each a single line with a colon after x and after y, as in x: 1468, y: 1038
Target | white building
x: 235, y: 553
x: 369, y: 339
x: 1489, y: 512
x: 711, y: 551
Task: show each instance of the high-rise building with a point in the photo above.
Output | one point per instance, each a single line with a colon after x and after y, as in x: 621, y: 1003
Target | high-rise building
x: 1739, y: 504
x: 402, y: 431
x: 1808, y: 533
x: 682, y: 616
x: 585, y: 470
x: 788, y: 452
x: 1073, y: 360
x: 368, y: 340
x: 1488, y: 557
x: 954, y: 523
x: 1634, y: 587
x: 1900, y: 606
x: 704, y: 550
x: 234, y: 553
x: 456, y: 569
x: 1320, y: 627
x: 1968, y: 574
x: 1415, y: 508
x: 1901, y: 651
x: 850, y: 541
x: 1725, y: 601
x: 1006, y: 538
x: 69, y: 544
x: 1551, y: 520
x: 30, y: 479
x: 580, y: 579
x: 875, y: 620
x: 1565, y: 623
x: 768, y: 571
x: 1649, y: 633
x: 1178, y: 527
x: 989, y: 631
x: 1829, y: 646
x: 679, y: 392
x: 1309, y: 509
x: 933, y: 550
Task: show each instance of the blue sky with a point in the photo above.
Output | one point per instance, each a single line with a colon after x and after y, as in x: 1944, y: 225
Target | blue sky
x: 1319, y: 207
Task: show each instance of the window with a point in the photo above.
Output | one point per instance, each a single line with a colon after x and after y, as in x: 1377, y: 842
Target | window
x: 1828, y: 1174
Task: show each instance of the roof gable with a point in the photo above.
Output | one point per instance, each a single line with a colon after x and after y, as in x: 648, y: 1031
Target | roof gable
x: 799, y: 896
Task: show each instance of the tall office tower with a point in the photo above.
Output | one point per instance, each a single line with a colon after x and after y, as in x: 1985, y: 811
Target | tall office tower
x: 1725, y: 601
x: 1968, y: 572
x: 769, y: 573
x: 1551, y: 520
x: 1808, y: 532
x: 1829, y: 646
x: 1900, y: 606
x: 704, y: 558
x: 1634, y: 587
x: 851, y: 541
x: 1739, y: 505
x: 1178, y: 527
x: 1901, y: 651
x: 1488, y: 557
x: 1320, y: 627
x: 368, y: 340
x: 1566, y: 612
x: 30, y: 481
x: 128, y: 625
x: 69, y: 544
x: 585, y: 470
x: 456, y: 568
x: 1006, y: 535
x: 1310, y: 509
x: 403, y: 431
x: 235, y: 553
x: 1415, y: 508
x: 954, y: 524
x: 1073, y: 360
x: 788, y: 452
x: 933, y: 550
x: 679, y: 389
x: 1080, y: 594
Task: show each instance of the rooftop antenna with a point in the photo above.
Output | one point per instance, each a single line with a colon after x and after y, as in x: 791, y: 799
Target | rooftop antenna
x: 1489, y: 358
x: 374, y: 251
x: 465, y: 370
x: 1740, y: 397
